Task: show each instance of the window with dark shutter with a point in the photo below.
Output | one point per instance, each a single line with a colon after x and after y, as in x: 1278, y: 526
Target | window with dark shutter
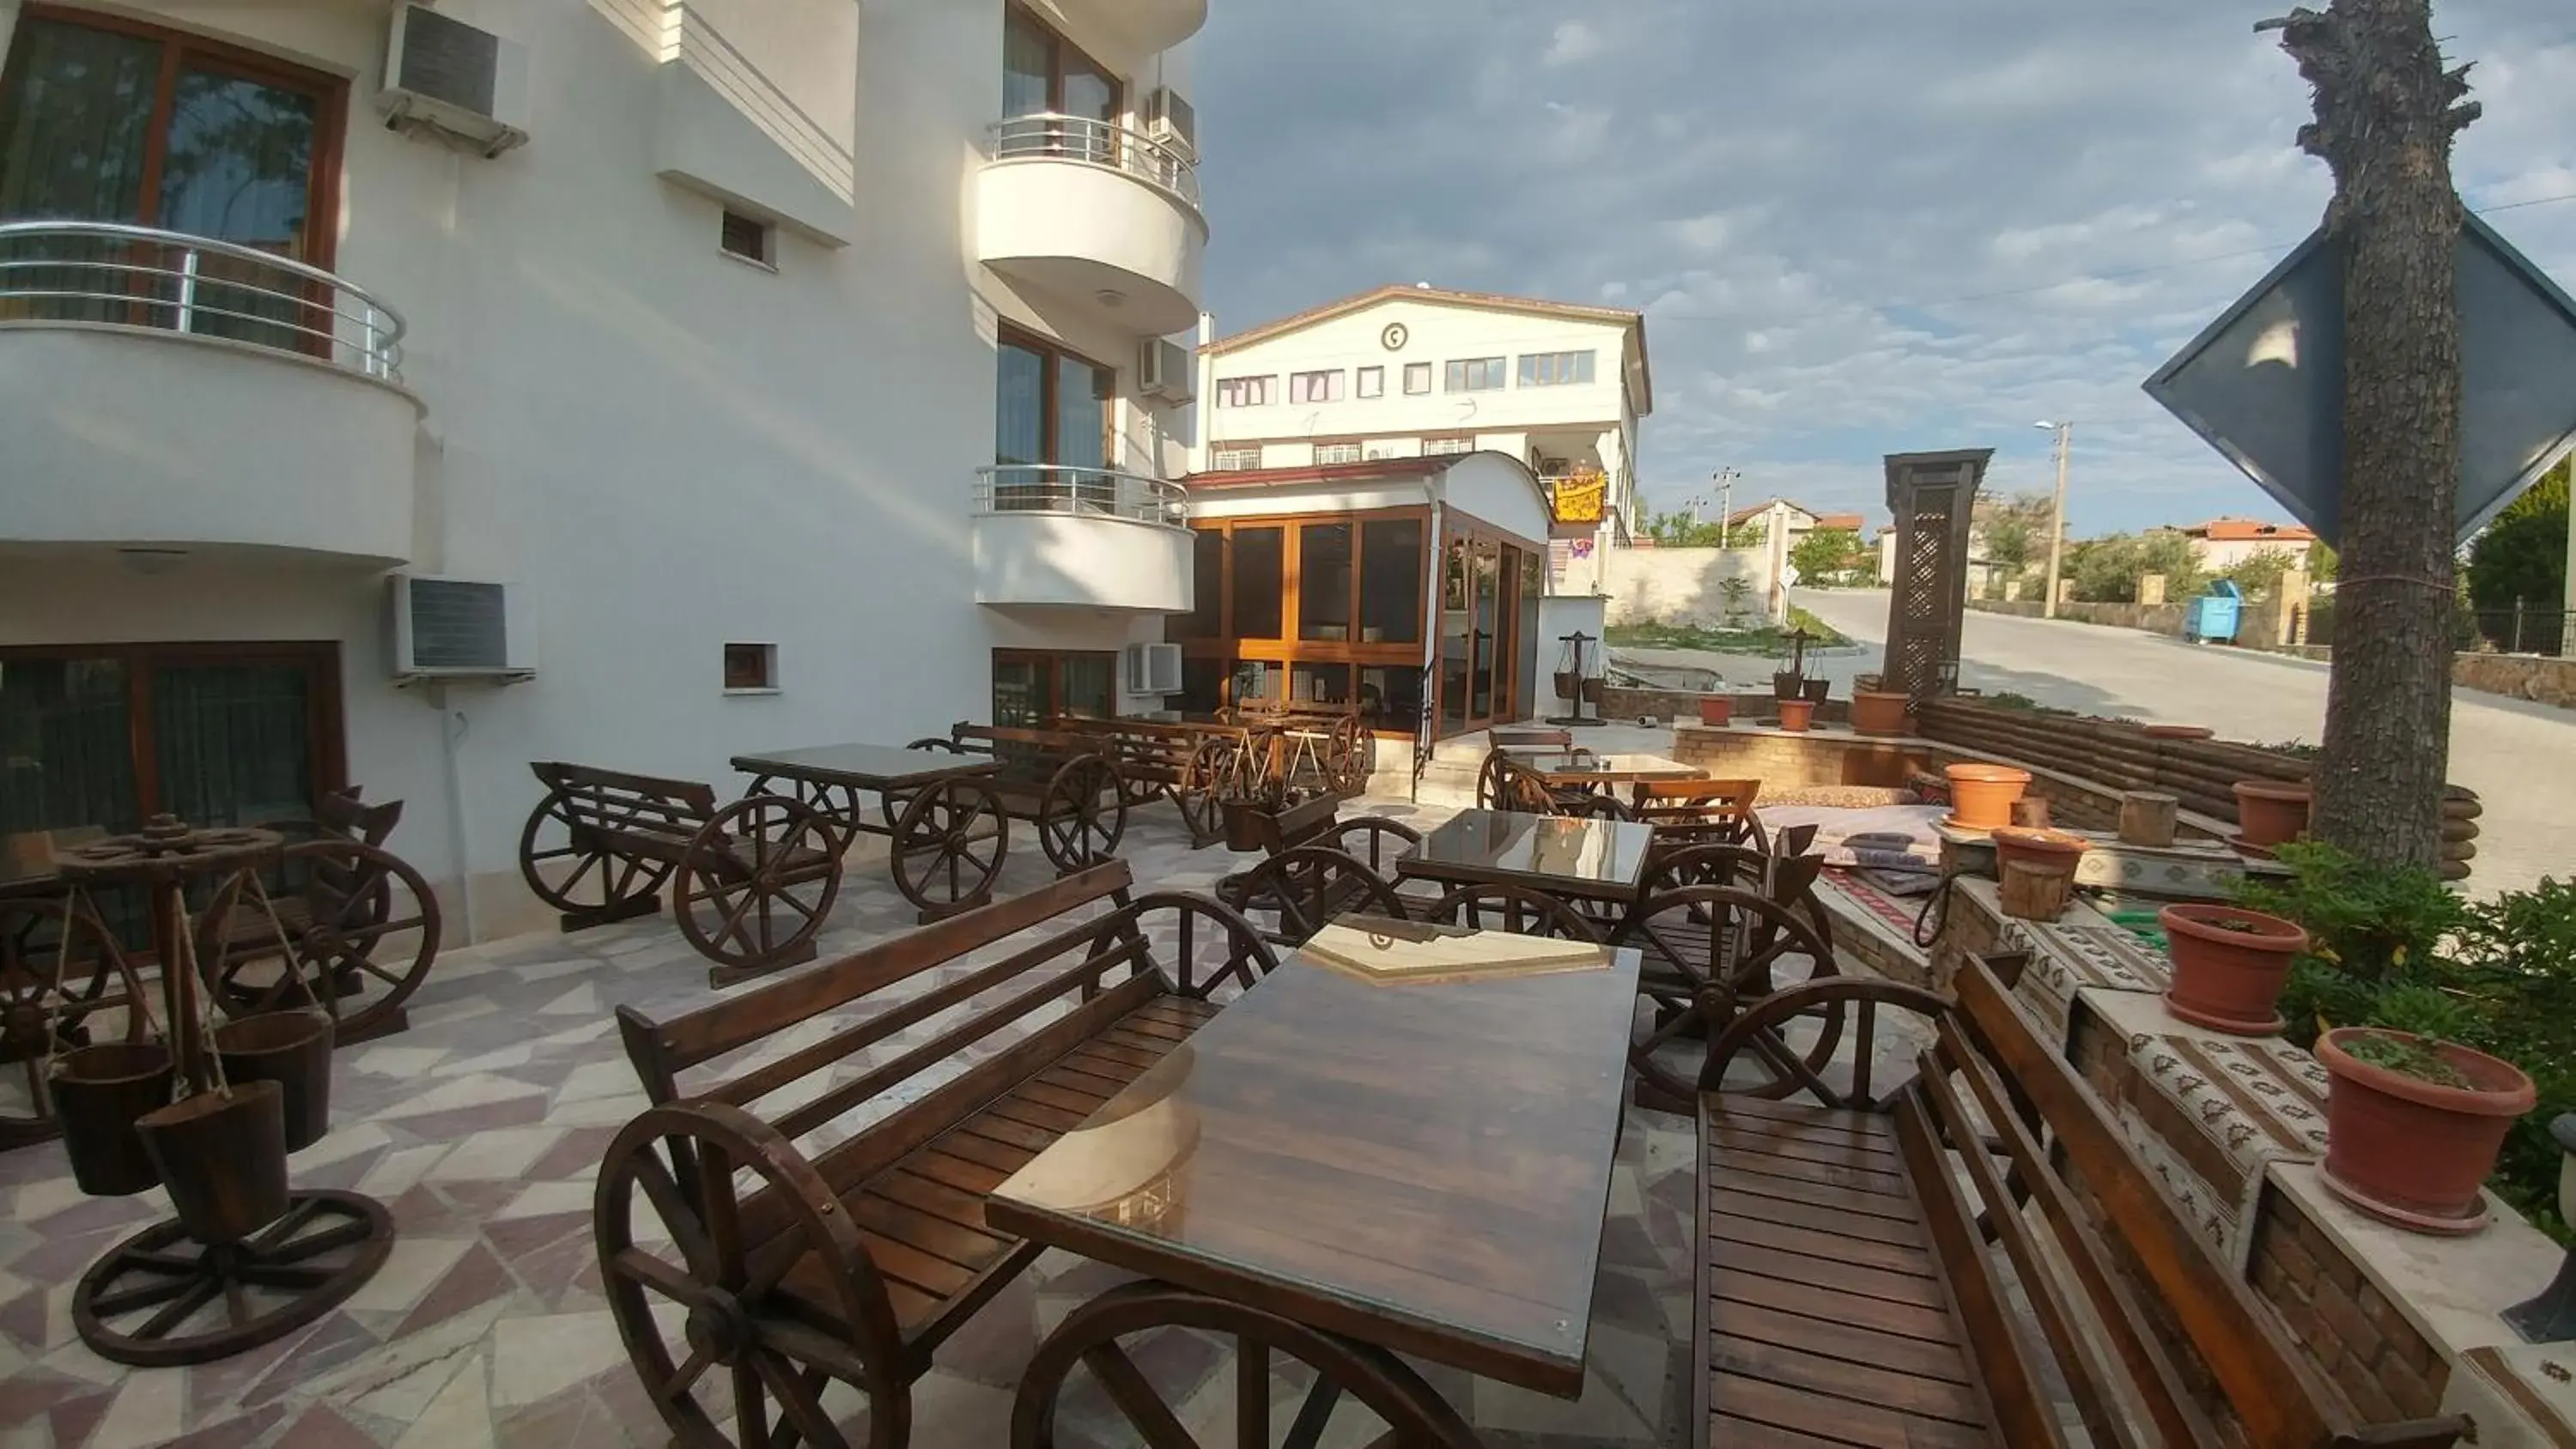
x: 747, y: 237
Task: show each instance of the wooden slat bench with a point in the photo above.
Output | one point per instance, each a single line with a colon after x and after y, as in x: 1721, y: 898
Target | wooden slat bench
x: 1862, y: 1254
x: 852, y: 1254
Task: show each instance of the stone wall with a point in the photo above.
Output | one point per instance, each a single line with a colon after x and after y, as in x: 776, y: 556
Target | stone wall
x: 1685, y: 585
x: 1784, y: 761
x: 2518, y: 676
x: 1682, y: 706
x: 2153, y: 618
x: 2347, y: 1327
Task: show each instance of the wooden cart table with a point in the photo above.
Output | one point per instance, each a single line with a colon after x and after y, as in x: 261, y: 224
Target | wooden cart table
x: 1338, y: 1171
x: 1555, y: 855
x: 1608, y: 770
x: 948, y: 842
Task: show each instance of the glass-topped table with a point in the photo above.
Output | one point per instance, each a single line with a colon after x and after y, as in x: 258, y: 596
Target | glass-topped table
x: 1420, y: 1167
x: 1558, y: 855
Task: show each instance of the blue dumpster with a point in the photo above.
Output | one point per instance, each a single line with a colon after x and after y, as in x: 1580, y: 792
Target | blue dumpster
x: 2213, y: 615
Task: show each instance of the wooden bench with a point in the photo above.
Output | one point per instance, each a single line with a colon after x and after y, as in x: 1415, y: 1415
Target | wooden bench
x: 1862, y: 1255
x: 852, y: 1254
x: 751, y: 882
x: 1699, y: 812
x: 1066, y: 783
x: 1187, y: 764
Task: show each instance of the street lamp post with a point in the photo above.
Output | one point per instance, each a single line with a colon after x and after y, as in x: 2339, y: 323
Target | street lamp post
x: 1725, y: 478
x: 2057, y: 516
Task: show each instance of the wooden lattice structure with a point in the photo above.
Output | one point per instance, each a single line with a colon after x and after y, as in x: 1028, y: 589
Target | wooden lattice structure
x: 1932, y: 496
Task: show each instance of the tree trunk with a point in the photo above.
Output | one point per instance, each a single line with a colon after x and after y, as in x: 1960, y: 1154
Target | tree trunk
x: 2386, y: 112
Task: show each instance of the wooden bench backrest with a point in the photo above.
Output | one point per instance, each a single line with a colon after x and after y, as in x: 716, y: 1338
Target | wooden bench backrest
x: 615, y: 803
x: 342, y: 813
x: 2125, y: 1385
x: 1299, y: 824
x: 1148, y: 749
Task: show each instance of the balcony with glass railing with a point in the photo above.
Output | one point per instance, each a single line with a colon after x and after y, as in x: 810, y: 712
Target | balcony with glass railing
x: 1052, y: 536
x: 1097, y: 215
x: 171, y: 391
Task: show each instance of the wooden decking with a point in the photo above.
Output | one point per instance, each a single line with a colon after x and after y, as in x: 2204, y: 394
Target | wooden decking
x: 1826, y: 1315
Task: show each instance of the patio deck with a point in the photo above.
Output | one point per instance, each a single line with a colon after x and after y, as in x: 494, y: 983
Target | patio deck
x: 481, y: 1129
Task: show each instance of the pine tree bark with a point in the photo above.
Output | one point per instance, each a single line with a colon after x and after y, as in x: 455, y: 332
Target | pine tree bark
x: 2386, y: 112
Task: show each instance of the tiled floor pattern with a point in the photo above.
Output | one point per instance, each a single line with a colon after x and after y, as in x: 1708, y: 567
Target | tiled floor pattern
x: 481, y: 1129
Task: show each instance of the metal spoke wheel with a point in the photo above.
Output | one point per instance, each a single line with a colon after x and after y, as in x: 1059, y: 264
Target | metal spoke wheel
x: 1083, y: 814
x: 756, y: 884
x: 1202, y: 786
x: 700, y: 1212
x: 1712, y: 952
x: 356, y: 938
x: 64, y: 983
x: 162, y: 1298
x: 1291, y: 1385
x: 1348, y: 756
x: 571, y: 869
x: 1207, y: 945
x: 949, y: 843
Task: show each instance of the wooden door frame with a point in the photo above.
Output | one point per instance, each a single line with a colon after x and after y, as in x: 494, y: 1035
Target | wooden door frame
x: 1456, y: 523
x: 1289, y: 651
x: 1051, y: 674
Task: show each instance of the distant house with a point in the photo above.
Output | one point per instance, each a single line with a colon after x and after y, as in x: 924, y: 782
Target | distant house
x: 2223, y: 543
x: 1790, y: 520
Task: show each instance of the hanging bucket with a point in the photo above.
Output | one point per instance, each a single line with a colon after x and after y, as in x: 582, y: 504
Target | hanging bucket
x: 99, y: 1092
x: 292, y: 1049
x: 222, y: 1154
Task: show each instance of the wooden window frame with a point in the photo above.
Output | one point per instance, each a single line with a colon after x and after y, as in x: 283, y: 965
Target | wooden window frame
x: 187, y: 50
x: 1051, y: 664
x: 1360, y: 446
x: 1505, y: 701
x: 1050, y: 352
x: 1058, y: 47
x: 1288, y: 650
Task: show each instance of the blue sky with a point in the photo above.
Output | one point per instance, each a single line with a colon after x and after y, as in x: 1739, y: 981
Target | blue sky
x: 1856, y: 226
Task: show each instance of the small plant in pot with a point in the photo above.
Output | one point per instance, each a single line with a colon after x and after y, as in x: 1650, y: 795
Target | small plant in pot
x: 2414, y: 1124
x: 2229, y: 965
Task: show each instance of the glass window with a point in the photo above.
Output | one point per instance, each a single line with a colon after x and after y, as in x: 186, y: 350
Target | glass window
x: 1476, y: 374
x: 751, y: 666
x: 1258, y: 587
x: 1049, y: 407
x: 1315, y: 387
x: 1391, y: 581
x: 1454, y: 633
x: 1320, y: 683
x: 1372, y: 382
x: 1244, y: 392
x: 1020, y: 417
x: 1324, y: 582
x: 1417, y: 378
x: 1488, y: 578
x: 1088, y: 685
x: 1202, y: 686
x: 1083, y: 391
x: 1043, y: 72
x: 1206, y: 619
x: 1391, y: 697
x: 1327, y: 454
x: 1234, y: 460
x: 1555, y: 369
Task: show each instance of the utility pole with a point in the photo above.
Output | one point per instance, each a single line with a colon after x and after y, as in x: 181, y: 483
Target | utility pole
x: 1725, y: 480
x: 2057, y: 516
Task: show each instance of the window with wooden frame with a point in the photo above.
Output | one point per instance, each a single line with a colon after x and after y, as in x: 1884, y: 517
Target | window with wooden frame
x: 1045, y: 74
x: 1052, y: 407
x: 1555, y: 369
x: 1032, y: 686
x: 1448, y: 447
x: 1328, y: 607
x: 1234, y: 460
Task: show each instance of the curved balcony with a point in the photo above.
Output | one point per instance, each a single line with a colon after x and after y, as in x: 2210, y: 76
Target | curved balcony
x: 1105, y: 218
x: 1087, y: 538
x: 166, y: 391
x: 1146, y: 24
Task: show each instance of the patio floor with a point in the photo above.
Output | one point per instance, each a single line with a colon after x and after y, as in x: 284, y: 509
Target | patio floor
x: 481, y: 1129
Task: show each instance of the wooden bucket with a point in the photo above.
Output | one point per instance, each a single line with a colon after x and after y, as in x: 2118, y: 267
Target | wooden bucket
x: 292, y: 1049
x: 2036, y: 892
x: 99, y: 1092
x: 222, y: 1154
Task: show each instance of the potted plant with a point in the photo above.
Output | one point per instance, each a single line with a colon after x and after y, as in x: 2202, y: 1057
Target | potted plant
x: 2414, y: 1124
x: 1797, y: 714
x: 2229, y: 965
x: 1982, y: 796
x: 1716, y: 709
x: 2271, y: 812
x: 1879, y: 711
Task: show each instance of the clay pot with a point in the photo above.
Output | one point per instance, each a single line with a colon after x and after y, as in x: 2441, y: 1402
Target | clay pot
x: 1716, y: 709
x: 2227, y: 980
x: 1982, y: 796
x: 2412, y: 1151
x: 2050, y: 850
x: 1797, y: 714
x: 99, y: 1092
x: 1880, y: 712
x: 292, y: 1049
x: 2271, y: 812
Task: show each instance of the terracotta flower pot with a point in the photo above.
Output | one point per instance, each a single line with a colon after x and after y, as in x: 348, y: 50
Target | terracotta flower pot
x: 2052, y: 850
x: 2271, y: 812
x: 1797, y: 714
x: 1982, y: 796
x: 2413, y: 1151
x: 1716, y: 709
x: 2229, y: 966
x: 1880, y: 712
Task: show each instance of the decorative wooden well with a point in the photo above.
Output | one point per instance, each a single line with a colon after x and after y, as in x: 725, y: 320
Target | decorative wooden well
x: 1932, y: 496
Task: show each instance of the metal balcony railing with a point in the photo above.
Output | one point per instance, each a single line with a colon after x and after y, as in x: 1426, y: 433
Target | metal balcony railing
x: 134, y: 276
x: 1090, y: 492
x: 1101, y: 143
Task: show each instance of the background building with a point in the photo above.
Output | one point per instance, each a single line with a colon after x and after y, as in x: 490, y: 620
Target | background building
x: 2223, y: 543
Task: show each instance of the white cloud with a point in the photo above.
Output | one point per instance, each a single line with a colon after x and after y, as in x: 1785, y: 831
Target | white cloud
x: 1572, y: 43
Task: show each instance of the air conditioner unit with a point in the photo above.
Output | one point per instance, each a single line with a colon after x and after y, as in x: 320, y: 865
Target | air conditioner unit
x: 1169, y: 119
x: 1163, y: 370
x: 443, y: 628
x: 1153, y: 669
x: 451, y: 77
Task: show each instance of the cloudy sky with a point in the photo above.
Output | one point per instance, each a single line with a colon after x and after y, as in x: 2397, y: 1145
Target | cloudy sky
x: 1856, y: 226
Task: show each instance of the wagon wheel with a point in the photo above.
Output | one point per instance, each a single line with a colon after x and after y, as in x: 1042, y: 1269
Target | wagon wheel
x: 1305, y: 886
x: 892, y: 803
x: 1493, y: 783
x: 1352, y: 1393
x: 1212, y: 765
x: 357, y: 941
x: 1372, y: 840
x: 1200, y: 944
x: 1516, y: 910
x: 1083, y: 814
x: 1757, y: 1033
x: 160, y: 1298
x: 64, y: 983
x: 1347, y: 756
x: 949, y: 844
x: 1710, y: 953
x: 837, y: 804
x: 757, y: 883
x: 589, y: 878
x: 694, y: 1269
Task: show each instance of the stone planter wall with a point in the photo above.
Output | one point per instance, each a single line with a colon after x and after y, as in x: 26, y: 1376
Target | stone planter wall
x: 1681, y: 706
x: 2518, y: 676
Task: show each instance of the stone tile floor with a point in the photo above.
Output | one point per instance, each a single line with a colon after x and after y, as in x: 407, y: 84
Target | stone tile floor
x: 481, y: 1129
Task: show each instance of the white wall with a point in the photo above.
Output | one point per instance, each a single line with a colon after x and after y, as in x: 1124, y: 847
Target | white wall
x: 1686, y: 585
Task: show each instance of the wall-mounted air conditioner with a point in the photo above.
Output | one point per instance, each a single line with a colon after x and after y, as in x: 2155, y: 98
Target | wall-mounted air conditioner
x: 443, y: 628
x: 450, y: 77
x: 1152, y: 669
x: 1169, y: 119
x: 1165, y: 370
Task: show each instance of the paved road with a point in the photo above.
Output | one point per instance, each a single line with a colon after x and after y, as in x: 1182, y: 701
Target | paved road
x: 2520, y: 758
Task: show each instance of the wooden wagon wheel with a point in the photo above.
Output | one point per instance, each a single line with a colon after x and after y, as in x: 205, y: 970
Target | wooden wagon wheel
x: 1517, y: 910
x: 160, y: 1298
x: 1359, y: 1393
x: 1347, y: 756
x: 1082, y: 815
x: 589, y: 880
x: 837, y: 804
x: 1203, y: 783
x: 64, y: 983
x: 1305, y: 886
x: 1373, y: 841
x: 1493, y: 782
x: 1202, y: 944
x: 757, y: 882
x: 695, y: 1269
x: 1712, y: 952
x: 1754, y: 1038
x: 356, y: 942
x: 892, y: 803
x: 949, y: 844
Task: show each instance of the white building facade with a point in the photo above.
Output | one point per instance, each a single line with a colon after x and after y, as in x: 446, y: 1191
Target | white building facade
x: 794, y: 363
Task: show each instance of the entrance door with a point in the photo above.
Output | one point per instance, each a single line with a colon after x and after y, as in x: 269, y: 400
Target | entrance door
x: 1482, y: 585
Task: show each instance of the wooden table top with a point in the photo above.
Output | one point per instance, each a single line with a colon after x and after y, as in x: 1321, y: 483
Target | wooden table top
x: 1553, y: 854
x: 865, y: 767
x: 1423, y: 1166
x: 1616, y: 769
